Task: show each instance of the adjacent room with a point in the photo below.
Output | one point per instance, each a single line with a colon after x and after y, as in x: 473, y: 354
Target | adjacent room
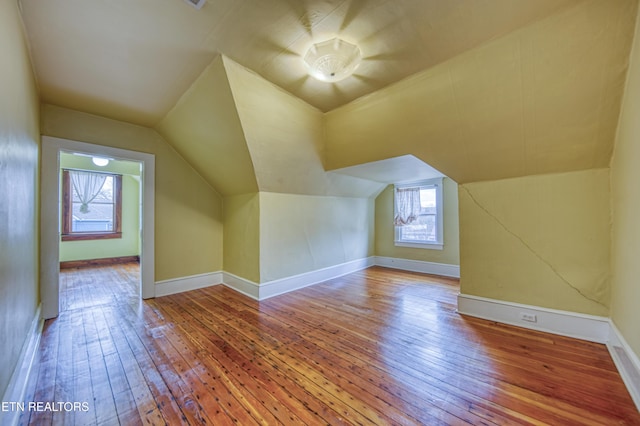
x: 319, y: 212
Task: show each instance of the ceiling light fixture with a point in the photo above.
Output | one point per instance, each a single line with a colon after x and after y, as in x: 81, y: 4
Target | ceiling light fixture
x: 332, y: 60
x: 99, y: 161
x: 196, y: 3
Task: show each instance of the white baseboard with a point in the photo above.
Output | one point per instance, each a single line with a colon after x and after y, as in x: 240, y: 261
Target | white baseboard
x: 419, y: 266
x: 273, y: 288
x: 295, y: 282
x: 626, y: 361
x: 581, y: 326
x: 193, y: 282
x: 17, y: 387
x: 241, y: 285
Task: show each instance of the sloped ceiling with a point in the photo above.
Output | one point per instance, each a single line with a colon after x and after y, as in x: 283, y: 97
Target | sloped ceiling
x: 403, y: 169
x: 478, y: 89
x: 132, y: 59
x: 243, y: 134
x: 284, y: 136
x: 543, y: 99
x: 205, y: 129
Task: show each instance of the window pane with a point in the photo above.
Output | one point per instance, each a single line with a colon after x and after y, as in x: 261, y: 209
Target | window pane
x: 422, y: 230
x: 428, y: 198
x: 98, y: 216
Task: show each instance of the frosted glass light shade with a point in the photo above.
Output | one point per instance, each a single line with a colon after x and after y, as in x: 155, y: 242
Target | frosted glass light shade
x: 332, y: 60
x: 99, y: 161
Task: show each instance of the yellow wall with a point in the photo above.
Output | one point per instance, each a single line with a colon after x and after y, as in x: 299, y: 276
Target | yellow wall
x: 188, y: 212
x: 302, y: 233
x: 19, y: 152
x: 242, y: 236
x: 625, y: 187
x: 538, y: 240
x: 204, y: 127
x: 384, y: 235
x: 303, y: 218
x: 268, y: 236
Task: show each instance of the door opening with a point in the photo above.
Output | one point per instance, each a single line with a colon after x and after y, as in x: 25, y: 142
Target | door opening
x: 54, y: 151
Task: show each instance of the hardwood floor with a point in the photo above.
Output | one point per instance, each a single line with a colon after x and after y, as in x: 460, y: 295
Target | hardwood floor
x: 374, y: 347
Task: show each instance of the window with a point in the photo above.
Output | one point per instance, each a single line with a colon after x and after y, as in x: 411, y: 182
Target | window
x: 418, y: 214
x: 91, y: 205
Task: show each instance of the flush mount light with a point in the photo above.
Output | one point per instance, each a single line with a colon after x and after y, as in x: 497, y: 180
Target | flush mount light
x: 99, y: 161
x: 332, y: 60
x: 196, y: 3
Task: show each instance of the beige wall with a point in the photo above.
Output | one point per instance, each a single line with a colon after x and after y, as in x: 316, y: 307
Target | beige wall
x: 384, y: 236
x: 19, y: 153
x: 302, y: 233
x: 188, y: 212
x: 538, y: 240
x: 242, y: 236
x: 625, y: 185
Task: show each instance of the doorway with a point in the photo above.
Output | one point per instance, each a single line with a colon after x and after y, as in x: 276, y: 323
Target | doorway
x: 50, y: 220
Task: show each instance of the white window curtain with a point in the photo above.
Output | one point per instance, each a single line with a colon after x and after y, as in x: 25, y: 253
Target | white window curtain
x: 407, y: 206
x: 87, y: 186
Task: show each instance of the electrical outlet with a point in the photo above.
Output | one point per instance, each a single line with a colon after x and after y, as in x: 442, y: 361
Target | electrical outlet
x: 528, y: 317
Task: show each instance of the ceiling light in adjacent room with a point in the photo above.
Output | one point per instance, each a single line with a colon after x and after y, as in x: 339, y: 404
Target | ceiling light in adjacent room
x: 196, y: 3
x: 99, y: 161
x: 332, y: 60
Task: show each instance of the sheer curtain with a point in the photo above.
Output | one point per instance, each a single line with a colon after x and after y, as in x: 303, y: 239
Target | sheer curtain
x: 407, y: 206
x: 87, y: 186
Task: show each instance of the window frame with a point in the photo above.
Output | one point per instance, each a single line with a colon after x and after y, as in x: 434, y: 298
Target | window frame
x: 67, y: 210
x: 436, y: 183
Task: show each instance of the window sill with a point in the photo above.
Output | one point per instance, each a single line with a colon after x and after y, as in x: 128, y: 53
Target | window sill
x: 91, y: 236
x: 428, y: 246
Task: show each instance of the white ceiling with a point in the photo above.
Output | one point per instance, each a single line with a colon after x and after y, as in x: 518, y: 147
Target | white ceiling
x: 132, y: 59
x: 404, y: 169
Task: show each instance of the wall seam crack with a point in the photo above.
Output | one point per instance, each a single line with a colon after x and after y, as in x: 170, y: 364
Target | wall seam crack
x: 536, y: 254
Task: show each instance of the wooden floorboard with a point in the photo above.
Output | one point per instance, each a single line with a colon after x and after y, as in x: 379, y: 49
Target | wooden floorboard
x: 374, y: 347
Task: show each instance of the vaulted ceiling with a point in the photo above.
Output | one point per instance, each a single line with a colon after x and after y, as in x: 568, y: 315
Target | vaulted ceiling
x: 478, y: 89
x: 132, y: 59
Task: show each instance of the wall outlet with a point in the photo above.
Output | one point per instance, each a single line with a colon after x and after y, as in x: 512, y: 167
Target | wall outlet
x: 528, y: 317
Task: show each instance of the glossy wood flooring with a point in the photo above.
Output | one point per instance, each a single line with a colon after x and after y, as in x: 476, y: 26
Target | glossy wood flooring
x: 374, y: 347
